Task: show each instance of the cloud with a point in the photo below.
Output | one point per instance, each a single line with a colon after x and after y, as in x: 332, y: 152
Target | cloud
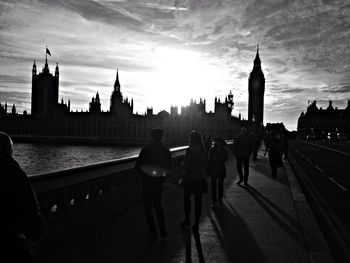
x: 303, y: 46
x: 293, y: 90
x: 338, y: 89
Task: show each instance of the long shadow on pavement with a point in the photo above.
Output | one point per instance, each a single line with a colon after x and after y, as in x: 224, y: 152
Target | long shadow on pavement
x: 285, y: 221
x: 235, y: 237
x: 186, y: 235
x: 262, y: 167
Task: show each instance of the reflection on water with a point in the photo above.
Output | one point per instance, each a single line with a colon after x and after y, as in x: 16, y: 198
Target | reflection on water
x: 41, y: 158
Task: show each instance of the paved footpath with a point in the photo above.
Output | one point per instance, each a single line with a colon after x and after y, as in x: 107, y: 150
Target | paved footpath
x: 268, y: 221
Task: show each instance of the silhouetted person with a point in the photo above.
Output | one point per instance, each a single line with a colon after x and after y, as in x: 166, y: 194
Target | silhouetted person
x: 195, y: 178
x: 20, y: 216
x: 242, y: 149
x: 285, y: 143
x: 266, y: 138
x: 256, y: 144
x: 154, y: 163
x: 274, y: 147
x: 206, y: 139
x: 216, y: 162
x: 207, y: 142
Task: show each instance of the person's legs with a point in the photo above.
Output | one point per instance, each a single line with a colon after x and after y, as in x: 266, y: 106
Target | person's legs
x: 220, y: 187
x: 255, y: 152
x: 246, y: 170
x: 187, y: 207
x: 198, y: 208
x: 147, y: 206
x: 239, y: 170
x: 214, y: 179
x: 274, y: 171
x: 159, y: 210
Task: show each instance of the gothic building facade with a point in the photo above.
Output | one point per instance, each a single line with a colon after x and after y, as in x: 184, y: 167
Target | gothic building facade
x: 119, y: 106
x: 45, y: 89
x: 318, y: 122
x: 54, y: 121
x: 256, y: 90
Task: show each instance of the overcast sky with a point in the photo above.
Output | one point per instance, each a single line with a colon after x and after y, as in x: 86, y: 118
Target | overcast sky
x: 169, y: 51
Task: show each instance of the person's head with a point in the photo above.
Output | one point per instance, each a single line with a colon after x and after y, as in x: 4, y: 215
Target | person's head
x: 6, y: 145
x: 157, y: 134
x: 219, y: 142
x: 195, y: 139
x: 206, y: 137
x: 243, y: 131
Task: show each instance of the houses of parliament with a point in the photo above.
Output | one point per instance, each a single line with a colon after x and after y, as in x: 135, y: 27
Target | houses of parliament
x: 51, y: 120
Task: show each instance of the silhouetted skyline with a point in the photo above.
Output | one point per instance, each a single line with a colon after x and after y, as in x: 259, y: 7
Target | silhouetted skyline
x: 181, y: 50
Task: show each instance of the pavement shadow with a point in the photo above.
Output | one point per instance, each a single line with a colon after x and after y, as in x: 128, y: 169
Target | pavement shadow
x: 198, y: 246
x: 187, y: 239
x: 262, y: 166
x: 285, y: 221
x: 234, y: 236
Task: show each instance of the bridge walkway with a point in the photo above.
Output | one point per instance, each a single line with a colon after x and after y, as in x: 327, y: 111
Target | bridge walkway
x: 268, y: 221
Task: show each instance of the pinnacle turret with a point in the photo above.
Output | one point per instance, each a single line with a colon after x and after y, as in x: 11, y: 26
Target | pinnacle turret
x: 257, y: 61
x: 117, y: 83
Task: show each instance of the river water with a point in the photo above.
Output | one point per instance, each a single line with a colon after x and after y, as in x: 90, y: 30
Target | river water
x: 41, y: 158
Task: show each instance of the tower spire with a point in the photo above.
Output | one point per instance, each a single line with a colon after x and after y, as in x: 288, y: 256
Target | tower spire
x: 257, y: 61
x: 34, y: 68
x: 116, y: 83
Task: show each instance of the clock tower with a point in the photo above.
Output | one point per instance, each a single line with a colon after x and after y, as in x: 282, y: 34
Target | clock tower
x: 256, y: 90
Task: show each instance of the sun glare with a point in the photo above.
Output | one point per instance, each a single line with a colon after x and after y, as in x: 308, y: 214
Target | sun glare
x: 182, y: 75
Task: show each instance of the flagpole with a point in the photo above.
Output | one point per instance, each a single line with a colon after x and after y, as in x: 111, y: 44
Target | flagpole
x: 46, y: 55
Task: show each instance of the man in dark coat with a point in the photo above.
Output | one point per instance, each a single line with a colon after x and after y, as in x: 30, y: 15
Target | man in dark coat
x: 216, y: 163
x: 285, y: 143
x: 20, y: 217
x: 275, y: 149
x: 243, y: 148
x: 154, y: 163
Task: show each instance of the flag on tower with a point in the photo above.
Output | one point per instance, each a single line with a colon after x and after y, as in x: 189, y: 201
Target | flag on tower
x: 48, y: 51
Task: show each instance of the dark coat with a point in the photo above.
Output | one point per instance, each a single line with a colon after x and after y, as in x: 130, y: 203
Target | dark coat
x: 216, y: 161
x: 20, y: 217
x: 195, y: 164
x: 195, y: 177
x: 154, y: 157
x: 274, y: 148
x: 243, y: 147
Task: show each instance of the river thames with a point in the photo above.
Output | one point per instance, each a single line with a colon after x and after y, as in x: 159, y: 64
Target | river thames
x: 42, y: 158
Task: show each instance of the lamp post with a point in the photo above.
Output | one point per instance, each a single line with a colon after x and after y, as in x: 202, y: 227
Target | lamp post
x: 230, y: 102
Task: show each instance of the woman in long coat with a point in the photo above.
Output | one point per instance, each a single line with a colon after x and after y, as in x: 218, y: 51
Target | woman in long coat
x: 195, y: 178
x: 274, y: 147
x: 216, y: 163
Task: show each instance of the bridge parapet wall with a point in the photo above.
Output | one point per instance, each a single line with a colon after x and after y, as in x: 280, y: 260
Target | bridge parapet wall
x: 73, y: 200
x: 79, y: 197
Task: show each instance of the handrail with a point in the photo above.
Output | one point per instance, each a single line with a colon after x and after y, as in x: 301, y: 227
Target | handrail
x: 58, y: 179
x: 72, y: 196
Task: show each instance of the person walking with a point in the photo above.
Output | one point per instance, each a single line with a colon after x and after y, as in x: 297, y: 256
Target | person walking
x: 20, y: 217
x: 154, y: 163
x: 275, y: 149
x: 216, y: 164
x: 242, y: 150
x: 207, y: 142
x: 285, y: 143
x: 194, y: 179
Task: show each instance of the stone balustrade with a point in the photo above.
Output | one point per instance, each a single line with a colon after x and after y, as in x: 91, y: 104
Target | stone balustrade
x: 79, y: 196
x: 74, y: 199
